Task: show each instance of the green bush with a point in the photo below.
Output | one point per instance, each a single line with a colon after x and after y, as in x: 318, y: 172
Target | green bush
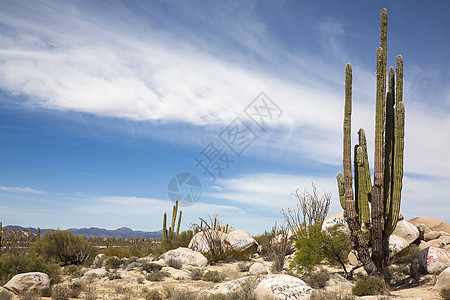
x: 318, y: 279
x: 120, y: 252
x: 63, y: 247
x: 214, y: 276
x: 14, y: 263
x: 445, y: 293
x: 113, y: 262
x: 74, y: 271
x: 370, y: 286
x: 308, y: 244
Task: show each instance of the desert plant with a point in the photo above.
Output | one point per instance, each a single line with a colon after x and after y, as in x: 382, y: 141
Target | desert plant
x: 213, y: 276
x: 311, y: 209
x: 90, y: 292
x: 64, y: 247
x: 171, y: 233
x: 155, y: 276
x: 385, y: 194
x: 317, y: 280
x: 336, y: 246
x: 174, y: 263
x: 140, y: 280
x: 74, y: 271
x: 113, y: 262
x: 370, y: 286
x: 308, y: 244
x: 15, y: 263
x: 153, y: 294
x: 445, y: 293
x: 60, y: 292
x: 243, y: 267
x: 5, y: 295
x: 196, y: 274
x: 278, y: 246
x: 29, y: 296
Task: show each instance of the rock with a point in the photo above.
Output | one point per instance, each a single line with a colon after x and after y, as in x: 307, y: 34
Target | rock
x: 241, y: 240
x: 443, y: 280
x: 7, y: 294
x: 382, y: 297
x: 400, y: 217
x: 434, y: 260
x: 397, y: 244
x: 406, y: 230
x: 434, y: 243
x: 186, y: 256
x: 282, y: 287
x: 201, y: 240
x: 335, y: 219
x: 97, y: 273
x: 339, y: 285
x: 422, y: 230
x: 431, y: 235
x: 432, y: 223
x: 177, y: 274
x: 257, y: 269
x: 352, y: 258
x: 99, y: 260
x: 229, y: 286
x: 445, y: 240
x: 34, y: 282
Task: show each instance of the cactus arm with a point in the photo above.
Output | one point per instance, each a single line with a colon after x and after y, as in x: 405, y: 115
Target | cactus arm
x: 340, y: 183
x: 363, y: 145
x: 399, y: 143
x: 174, y: 217
x: 363, y: 197
x: 179, y: 223
x: 389, y: 146
x: 165, y: 227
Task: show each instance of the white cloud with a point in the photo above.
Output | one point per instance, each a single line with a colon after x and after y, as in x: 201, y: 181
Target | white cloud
x: 21, y: 190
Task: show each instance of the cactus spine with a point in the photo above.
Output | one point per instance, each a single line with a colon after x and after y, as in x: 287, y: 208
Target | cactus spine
x: 385, y: 194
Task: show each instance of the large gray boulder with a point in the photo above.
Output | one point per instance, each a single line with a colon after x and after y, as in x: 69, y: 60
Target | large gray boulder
x: 186, y: 257
x: 34, y: 282
x: 257, y: 269
x: 434, y: 260
x: 282, y: 287
x: 406, y: 230
x: 397, y: 244
x: 202, y: 240
x: 241, y: 240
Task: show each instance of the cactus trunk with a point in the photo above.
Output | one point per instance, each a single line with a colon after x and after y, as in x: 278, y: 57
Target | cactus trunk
x: 165, y: 227
x: 179, y: 223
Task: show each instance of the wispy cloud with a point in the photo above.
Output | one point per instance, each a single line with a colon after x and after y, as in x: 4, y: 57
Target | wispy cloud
x: 21, y: 190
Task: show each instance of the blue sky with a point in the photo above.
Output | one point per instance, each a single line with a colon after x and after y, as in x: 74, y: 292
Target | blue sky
x: 103, y: 102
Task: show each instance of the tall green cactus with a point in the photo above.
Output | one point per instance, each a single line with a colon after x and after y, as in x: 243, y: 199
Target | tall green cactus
x: 170, y: 235
x: 1, y: 227
x: 385, y: 194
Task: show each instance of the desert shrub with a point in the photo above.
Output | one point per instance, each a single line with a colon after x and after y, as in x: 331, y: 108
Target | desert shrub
x: 153, y: 295
x: 244, y: 292
x: 120, y: 252
x: 14, y: 263
x: 4, y: 295
x: 408, y: 261
x: 60, y: 292
x: 278, y: 246
x: 90, y: 293
x: 196, y: 274
x: 62, y: 246
x: 155, y: 276
x: 174, y: 263
x: 114, y: 276
x: 317, y: 280
x: 308, y: 244
x: 214, y: 276
x: 140, y: 280
x: 243, y: 267
x: 325, y: 295
x: 445, y: 293
x: 74, y: 271
x: 113, y: 262
x: 370, y: 286
x: 182, y: 294
x: 29, y: 296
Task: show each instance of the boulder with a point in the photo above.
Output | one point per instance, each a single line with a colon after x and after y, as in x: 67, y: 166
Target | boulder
x: 431, y: 235
x: 34, y: 282
x: 335, y: 219
x: 241, y: 240
x: 397, y: 244
x: 406, y: 230
x: 434, y: 260
x: 382, y: 297
x: 201, y: 240
x: 257, y: 269
x: 177, y: 274
x: 338, y: 284
x: 7, y: 294
x: 99, y: 260
x: 353, y: 258
x: 445, y: 240
x: 186, y: 256
x: 434, y: 243
x: 432, y: 223
x: 443, y: 280
x: 100, y: 273
x: 282, y: 287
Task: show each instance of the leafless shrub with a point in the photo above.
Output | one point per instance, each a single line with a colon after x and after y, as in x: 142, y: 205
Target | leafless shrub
x: 311, y: 210
x: 278, y: 246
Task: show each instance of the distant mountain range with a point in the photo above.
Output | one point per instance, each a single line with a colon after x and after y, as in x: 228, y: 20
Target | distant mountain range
x: 123, y: 232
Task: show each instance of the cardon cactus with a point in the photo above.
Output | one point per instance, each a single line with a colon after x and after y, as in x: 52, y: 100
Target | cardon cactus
x: 385, y: 194
x: 169, y: 236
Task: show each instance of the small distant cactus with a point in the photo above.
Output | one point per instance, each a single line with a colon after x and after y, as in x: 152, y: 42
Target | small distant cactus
x: 168, y: 236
